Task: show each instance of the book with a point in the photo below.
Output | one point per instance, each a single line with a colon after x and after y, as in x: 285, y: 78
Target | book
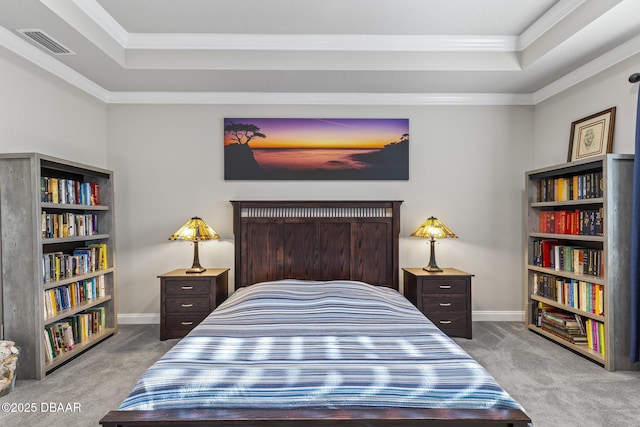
x: 566, y: 325
x: 95, y: 199
x: 48, y: 351
x: 67, y: 333
x: 101, y: 255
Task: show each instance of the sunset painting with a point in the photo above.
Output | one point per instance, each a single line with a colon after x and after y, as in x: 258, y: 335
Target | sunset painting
x: 339, y: 149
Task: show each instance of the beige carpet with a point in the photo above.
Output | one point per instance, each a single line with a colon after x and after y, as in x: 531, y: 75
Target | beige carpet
x: 555, y: 386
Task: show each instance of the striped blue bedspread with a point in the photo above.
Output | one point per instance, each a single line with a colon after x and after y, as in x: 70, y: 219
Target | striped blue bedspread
x: 300, y: 344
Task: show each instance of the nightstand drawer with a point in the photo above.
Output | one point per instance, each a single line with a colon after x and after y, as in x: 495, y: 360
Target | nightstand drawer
x: 186, y: 287
x: 187, y: 304
x: 186, y: 299
x: 444, y: 297
x: 444, y: 303
x: 185, y: 321
x: 449, y: 321
x: 445, y: 286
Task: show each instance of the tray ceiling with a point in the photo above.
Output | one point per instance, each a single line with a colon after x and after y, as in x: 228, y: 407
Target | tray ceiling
x: 398, y: 49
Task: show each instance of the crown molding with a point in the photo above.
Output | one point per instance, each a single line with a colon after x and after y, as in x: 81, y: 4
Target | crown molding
x: 26, y: 50
x: 556, y: 14
x: 322, y: 42
x: 264, y: 98
x: 607, y: 60
x: 100, y: 16
x: 313, y: 42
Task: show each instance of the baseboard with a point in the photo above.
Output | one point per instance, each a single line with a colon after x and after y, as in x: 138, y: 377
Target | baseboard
x: 477, y: 316
x: 139, y: 318
x: 498, y: 316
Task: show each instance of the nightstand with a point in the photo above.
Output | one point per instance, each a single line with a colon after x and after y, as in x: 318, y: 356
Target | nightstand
x: 187, y: 298
x: 444, y: 297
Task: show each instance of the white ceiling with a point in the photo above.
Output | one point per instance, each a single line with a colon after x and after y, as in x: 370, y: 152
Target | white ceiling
x: 414, y: 51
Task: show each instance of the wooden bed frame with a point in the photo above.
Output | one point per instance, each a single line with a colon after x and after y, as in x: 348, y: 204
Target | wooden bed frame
x: 317, y: 240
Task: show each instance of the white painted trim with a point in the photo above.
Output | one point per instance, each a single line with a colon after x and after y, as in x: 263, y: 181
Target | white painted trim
x: 105, y: 21
x: 264, y: 98
x: 31, y: 53
x: 139, y: 319
x: 341, y: 42
x: 26, y: 50
x: 322, y: 42
x: 553, y: 16
x: 498, y: 316
x: 477, y: 316
x: 601, y: 63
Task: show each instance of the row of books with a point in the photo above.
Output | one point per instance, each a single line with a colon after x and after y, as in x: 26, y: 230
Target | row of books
x: 83, y: 260
x: 549, y: 253
x: 571, y: 327
x: 568, y: 326
x: 577, y: 187
x: 72, y: 295
x: 62, y: 337
x: 595, y: 336
x: 68, y: 224
x: 587, y: 222
x: 68, y: 191
x: 578, y: 294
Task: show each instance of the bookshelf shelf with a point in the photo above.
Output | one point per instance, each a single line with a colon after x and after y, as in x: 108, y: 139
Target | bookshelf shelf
x: 582, y: 279
x: 576, y: 237
x: 565, y: 307
x: 54, y: 239
x: 73, y: 207
x: 80, y: 348
x: 585, y: 351
x: 78, y: 278
x: 567, y: 274
x: 581, y: 202
x: 50, y: 241
x: 77, y: 309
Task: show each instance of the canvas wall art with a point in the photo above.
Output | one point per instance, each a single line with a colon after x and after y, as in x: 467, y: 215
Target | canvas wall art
x: 316, y: 149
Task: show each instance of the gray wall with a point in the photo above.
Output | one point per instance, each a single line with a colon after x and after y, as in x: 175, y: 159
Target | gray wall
x: 467, y: 167
x: 41, y: 113
x: 611, y: 88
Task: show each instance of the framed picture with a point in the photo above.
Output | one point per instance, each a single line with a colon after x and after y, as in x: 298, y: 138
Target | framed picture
x: 316, y: 149
x: 592, y: 135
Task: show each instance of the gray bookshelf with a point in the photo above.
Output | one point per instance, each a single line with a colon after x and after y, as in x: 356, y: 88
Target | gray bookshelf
x: 24, y: 241
x: 614, y: 203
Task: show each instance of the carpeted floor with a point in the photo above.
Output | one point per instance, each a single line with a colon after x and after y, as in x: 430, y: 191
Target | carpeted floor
x: 555, y: 386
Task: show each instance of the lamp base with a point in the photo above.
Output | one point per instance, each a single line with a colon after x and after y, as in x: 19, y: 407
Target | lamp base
x: 196, y: 267
x: 433, y: 266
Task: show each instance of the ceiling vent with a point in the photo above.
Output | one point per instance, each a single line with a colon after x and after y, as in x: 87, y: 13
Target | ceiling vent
x: 47, y: 42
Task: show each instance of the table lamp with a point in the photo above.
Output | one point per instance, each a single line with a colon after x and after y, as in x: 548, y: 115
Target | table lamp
x: 433, y: 228
x: 194, y: 231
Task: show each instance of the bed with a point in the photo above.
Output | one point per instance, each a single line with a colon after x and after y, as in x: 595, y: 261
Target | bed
x: 341, y: 351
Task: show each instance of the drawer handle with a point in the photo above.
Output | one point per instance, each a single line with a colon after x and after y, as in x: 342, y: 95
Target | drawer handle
x: 445, y: 304
x: 445, y: 322
x: 187, y: 288
x: 187, y: 305
x: 187, y: 323
x: 445, y: 286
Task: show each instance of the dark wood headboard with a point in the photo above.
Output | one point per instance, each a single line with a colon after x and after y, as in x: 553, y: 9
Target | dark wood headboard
x: 316, y: 240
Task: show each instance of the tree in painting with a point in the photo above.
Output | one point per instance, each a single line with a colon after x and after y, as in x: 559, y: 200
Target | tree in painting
x: 238, y: 157
x: 243, y: 133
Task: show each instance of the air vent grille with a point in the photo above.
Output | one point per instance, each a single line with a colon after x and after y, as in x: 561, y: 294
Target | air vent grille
x: 47, y: 42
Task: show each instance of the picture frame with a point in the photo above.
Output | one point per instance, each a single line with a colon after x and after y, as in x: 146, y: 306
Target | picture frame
x: 592, y: 135
x: 309, y: 148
